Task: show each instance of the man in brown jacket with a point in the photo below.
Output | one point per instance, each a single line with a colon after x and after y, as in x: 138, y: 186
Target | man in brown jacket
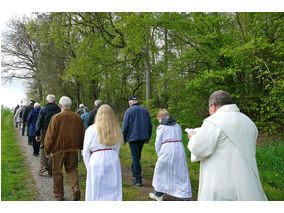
x: 64, y: 137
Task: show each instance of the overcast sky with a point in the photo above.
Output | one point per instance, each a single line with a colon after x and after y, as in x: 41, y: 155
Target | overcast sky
x: 13, y: 93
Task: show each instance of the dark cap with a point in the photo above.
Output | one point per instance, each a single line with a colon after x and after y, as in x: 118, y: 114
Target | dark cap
x: 131, y: 98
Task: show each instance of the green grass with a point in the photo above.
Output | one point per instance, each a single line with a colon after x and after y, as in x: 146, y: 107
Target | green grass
x: 16, y: 184
x: 129, y: 192
x: 270, y: 163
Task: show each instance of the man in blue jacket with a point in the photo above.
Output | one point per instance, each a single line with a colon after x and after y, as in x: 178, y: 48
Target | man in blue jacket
x: 137, y: 130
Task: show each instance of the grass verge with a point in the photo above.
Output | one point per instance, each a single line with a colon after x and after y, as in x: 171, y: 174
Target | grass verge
x: 16, y: 184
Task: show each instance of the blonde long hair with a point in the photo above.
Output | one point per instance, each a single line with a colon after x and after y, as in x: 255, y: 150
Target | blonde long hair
x: 108, y: 128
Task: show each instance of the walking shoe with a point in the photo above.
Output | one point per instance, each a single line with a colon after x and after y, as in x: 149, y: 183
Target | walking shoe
x: 42, y: 170
x: 137, y: 183
x: 155, y: 197
x: 76, y: 195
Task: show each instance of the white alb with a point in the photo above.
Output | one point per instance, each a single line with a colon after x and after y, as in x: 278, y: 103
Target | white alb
x: 104, y: 181
x: 171, y: 174
x: 225, y: 145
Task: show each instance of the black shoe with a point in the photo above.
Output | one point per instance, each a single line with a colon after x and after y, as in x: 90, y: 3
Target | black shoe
x: 137, y: 183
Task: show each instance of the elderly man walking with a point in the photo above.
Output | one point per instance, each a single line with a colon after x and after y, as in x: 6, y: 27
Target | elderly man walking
x: 225, y: 144
x: 92, y: 114
x: 137, y: 130
x: 44, y: 116
x: 64, y: 137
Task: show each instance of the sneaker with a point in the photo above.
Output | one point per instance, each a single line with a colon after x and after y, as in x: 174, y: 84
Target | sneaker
x: 137, y: 183
x: 155, y: 197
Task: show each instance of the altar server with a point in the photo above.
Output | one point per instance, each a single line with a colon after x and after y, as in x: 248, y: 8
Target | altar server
x: 171, y: 174
x: 101, y: 157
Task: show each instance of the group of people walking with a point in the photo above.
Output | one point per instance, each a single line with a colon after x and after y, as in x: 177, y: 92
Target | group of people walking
x: 225, y: 145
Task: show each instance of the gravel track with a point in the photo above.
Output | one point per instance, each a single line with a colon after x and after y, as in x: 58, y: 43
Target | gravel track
x: 43, y: 183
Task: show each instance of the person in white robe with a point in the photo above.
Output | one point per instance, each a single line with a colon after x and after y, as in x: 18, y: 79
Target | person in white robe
x: 225, y: 145
x: 101, y: 157
x: 171, y: 174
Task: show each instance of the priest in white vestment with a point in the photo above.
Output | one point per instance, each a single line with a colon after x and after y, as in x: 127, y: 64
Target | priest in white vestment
x: 101, y: 157
x: 225, y: 145
x: 171, y: 174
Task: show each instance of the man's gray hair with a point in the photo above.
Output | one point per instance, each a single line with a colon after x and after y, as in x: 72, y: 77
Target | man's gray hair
x: 98, y: 103
x: 133, y: 102
x: 50, y: 98
x: 37, y: 105
x: 65, y: 102
x: 220, y: 98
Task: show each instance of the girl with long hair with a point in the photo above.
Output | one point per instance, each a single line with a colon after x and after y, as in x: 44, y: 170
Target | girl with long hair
x: 101, y: 157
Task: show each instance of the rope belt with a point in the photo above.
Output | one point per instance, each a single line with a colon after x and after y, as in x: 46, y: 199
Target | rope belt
x: 98, y: 150
x: 171, y: 141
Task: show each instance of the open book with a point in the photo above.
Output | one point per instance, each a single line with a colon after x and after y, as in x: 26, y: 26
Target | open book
x: 190, y: 130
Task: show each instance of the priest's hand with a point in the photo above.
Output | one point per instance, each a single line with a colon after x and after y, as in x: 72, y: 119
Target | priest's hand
x: 190, y: 134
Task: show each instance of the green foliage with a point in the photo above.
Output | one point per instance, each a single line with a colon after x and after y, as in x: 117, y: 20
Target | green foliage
x: 90, y: 56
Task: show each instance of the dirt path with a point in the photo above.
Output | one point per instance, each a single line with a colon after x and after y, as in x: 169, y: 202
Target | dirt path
x: 43, y: 182
x: 145, y: 189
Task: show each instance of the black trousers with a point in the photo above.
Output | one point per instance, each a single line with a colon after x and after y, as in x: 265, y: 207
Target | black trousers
x: 136, y: 148
x: 35, y: 145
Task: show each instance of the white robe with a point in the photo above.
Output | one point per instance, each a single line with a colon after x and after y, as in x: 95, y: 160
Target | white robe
x: 17, y: 115
x: 171, y: 174
x: 226, y: 144
x: 104, y: 182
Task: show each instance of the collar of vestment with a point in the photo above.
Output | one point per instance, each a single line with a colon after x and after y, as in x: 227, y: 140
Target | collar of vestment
x: 228, y: 108
x: 135, y: 104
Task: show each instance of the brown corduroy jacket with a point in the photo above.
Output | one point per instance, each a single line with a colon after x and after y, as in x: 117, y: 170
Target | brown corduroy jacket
x: 65, y: 133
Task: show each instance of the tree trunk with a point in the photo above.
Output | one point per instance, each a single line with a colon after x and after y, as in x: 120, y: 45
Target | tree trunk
x: 147, y: 68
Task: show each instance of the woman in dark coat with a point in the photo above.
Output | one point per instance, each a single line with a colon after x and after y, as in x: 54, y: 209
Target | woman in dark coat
x: 32, y: 118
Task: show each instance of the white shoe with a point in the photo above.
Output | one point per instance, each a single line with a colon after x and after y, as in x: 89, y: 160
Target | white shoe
x: 154, y: 197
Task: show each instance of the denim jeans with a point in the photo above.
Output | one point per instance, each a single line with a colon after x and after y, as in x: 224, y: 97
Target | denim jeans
x: 136, y: 148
